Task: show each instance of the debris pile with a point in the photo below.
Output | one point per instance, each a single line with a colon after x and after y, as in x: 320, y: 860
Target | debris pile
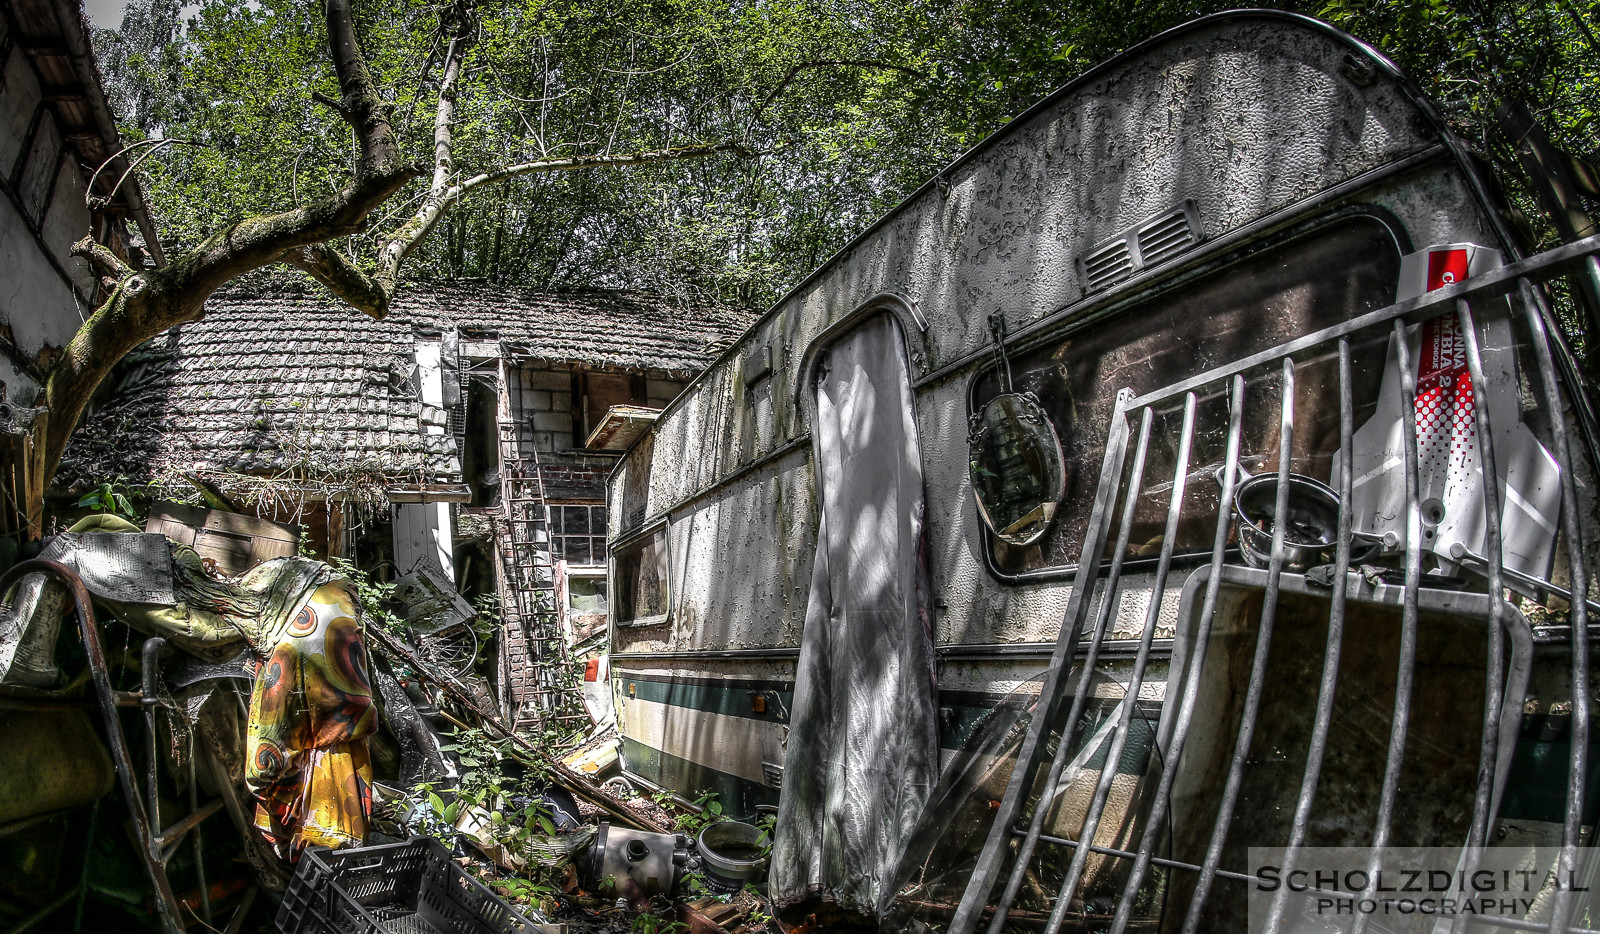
x: 363, y: 773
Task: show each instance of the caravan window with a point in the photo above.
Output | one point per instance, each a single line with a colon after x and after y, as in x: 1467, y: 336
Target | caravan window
x: 1316, y: 281
x: 639, y: 573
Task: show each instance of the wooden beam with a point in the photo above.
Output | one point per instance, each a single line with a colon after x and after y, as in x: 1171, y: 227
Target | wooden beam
x: 64, y: 95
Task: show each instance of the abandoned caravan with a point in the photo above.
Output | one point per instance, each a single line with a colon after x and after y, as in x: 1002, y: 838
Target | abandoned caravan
x: 970, y: 551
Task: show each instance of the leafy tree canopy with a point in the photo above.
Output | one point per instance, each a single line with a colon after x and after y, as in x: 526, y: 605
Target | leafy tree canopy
x: 713, y: 147
x: 850, y: 105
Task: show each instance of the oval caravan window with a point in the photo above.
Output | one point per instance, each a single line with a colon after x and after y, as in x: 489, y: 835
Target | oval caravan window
x: 1016, y: 468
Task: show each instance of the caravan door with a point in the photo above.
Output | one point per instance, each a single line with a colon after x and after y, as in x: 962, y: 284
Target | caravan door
x: 863, y: 748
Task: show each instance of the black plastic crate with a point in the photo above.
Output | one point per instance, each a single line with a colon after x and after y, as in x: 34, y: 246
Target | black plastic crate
x: 397, y: 888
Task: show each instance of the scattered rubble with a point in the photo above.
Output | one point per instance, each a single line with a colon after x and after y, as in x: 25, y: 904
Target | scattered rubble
x: 272, y: 698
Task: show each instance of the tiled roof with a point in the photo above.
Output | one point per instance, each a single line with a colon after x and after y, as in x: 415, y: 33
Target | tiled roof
x: 287, y: 380
x: 599, y: 329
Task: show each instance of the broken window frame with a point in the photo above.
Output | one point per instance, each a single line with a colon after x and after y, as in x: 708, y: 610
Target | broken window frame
x: 597, y: 540
x: 656, y: 533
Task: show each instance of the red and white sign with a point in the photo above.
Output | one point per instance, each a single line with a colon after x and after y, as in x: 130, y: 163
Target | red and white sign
x: 1446, y: 267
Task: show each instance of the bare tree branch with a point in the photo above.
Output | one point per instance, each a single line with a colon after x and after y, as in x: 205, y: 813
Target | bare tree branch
x: 359, y: 102
x: 597, y: 162
x: 151, y: 146
x: 397, y: 247
x: 332, y: 105
x: 330, y: 267
x: 444, y: 118
x: 105, y: 262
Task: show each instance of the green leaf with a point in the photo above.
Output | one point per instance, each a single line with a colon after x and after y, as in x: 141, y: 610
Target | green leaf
x: 451, y: 812
x: 436, y: 802
x: 544, y: 823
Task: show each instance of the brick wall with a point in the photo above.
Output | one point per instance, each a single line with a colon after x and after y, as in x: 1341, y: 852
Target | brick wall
x: 576, y: 477
x: 520, y: 675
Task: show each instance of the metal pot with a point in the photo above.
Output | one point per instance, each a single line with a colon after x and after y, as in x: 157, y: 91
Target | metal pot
x: 1313, y: 521
x: 733, y: 853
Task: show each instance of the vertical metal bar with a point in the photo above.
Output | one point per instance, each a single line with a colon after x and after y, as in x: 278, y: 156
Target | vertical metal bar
x: 1330, y: 655
x: 1258, y: 667
x: 166, y: 902
x: 1080, y: 697
x: 152, y: 788
x: 1408, y: 619
x: 1191, y: 684
x: 1108, y: 773
x: 199, y: 849
x: 997, y: 843
x: 1578, y: 770
x: 1494, y: 686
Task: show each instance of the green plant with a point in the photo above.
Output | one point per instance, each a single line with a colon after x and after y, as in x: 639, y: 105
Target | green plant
x: 655, y: 924
x: 115, y: 497
x: 437, y: 820
x: 523, y: 890
x: 486, y: 615
x: 695, y: 885
x: 505, y: 781
x: 758, y: 916
x: 710, y: 813
x: 375, y: 595
x: 690, y: 816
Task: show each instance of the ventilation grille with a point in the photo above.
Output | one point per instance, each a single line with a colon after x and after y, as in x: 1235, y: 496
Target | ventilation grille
x: 1107, y: 265
x: 1154, y: 241
x: 1166, y: 237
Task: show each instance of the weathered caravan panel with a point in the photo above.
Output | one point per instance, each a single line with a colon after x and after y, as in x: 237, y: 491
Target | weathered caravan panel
x: 1217, y: 192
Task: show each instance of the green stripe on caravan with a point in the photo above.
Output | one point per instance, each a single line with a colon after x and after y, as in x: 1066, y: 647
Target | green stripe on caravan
x: 962, y: 713
x: 756, y: 700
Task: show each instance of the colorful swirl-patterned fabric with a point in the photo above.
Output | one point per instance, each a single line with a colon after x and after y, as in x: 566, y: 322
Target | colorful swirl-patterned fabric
x: 310, y: 714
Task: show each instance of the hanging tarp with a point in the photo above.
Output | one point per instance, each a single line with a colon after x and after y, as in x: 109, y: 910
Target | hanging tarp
x: 863, y: 748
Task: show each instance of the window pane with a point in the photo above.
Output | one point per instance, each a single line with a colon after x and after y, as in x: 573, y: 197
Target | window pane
x: 1331, y: 277
x: 641, y: 578
x: 586, y: 595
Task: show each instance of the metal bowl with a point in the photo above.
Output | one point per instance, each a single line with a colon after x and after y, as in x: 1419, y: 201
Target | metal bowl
x: 1313, y: 521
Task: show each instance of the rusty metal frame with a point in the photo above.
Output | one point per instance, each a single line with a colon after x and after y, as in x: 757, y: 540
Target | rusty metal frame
x: 1519, y: 283
x: 157, y: 845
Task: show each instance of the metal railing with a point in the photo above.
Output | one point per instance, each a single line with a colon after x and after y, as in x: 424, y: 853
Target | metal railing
x: 1062, y: 712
